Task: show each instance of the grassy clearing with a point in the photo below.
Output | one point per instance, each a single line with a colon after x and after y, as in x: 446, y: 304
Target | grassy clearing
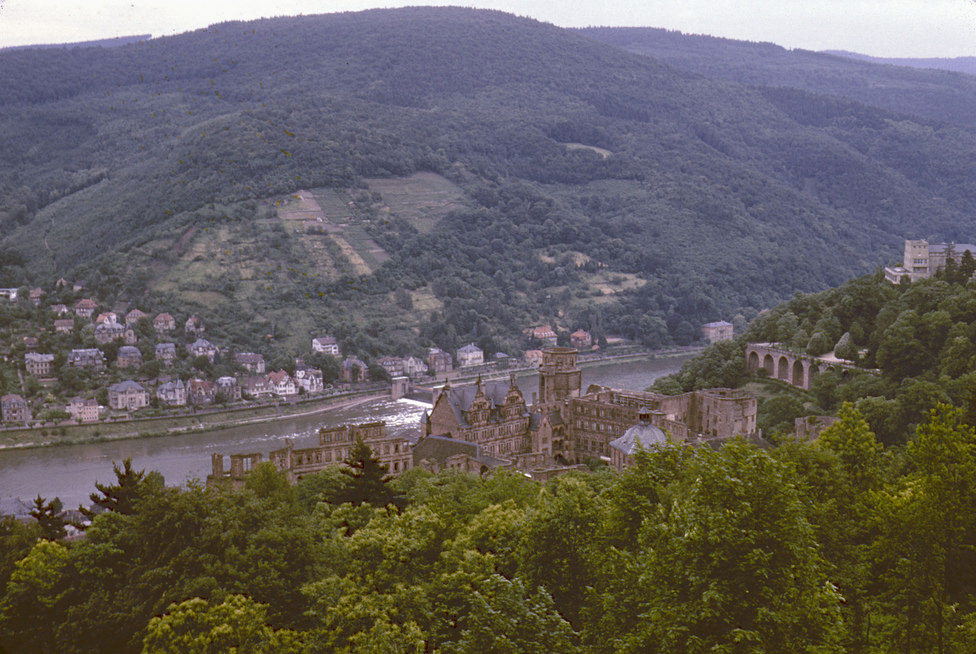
x: 421, y: 199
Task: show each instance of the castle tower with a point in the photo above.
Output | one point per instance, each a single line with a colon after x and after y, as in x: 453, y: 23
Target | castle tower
x: 559, y: 376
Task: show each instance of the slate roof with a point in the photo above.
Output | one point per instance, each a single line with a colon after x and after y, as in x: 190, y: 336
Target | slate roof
x: 460, y: 398
x: 127, y: 385
x: 644, y: 434
x: 439, y: 448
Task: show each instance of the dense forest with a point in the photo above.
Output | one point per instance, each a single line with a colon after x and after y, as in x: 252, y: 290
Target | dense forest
x: 695, y: 196
x: 834, y: 546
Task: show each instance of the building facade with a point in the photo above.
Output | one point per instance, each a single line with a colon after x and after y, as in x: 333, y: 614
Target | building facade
x: 470, y: 355
x: 39, y: 365
x: 172, y: 393
x: 87, y: 358
x: 326, y: 344
x: 83, y: 409
x: 439, y: 361
x: 922, y: 259
x: 127, y: 396
x: 334, y: 446
x: 252, y: 362
x: 14, y: 408
x: 719, y: 330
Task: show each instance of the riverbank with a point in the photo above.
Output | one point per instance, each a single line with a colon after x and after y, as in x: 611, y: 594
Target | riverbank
x: 584, y: 361
x: 179, y: 424
x: 70, y: 471
x: 210, y: 419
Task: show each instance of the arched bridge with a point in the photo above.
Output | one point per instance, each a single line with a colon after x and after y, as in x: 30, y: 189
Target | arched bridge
x: 792, y: 367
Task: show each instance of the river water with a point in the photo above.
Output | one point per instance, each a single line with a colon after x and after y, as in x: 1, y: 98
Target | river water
x: 70, y: 471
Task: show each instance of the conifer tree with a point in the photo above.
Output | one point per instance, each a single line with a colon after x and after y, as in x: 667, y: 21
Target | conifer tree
x: 367, y: 478
x: 119, y: 497
x: 48, y: 516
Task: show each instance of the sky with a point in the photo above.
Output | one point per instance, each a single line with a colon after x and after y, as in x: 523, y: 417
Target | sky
x: 884, y: 28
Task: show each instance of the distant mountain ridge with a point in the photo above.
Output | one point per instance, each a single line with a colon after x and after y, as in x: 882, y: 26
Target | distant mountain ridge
x: 112, y: 42
x: 965, y: 65
x: 589, y: 186
x: 933, y: 94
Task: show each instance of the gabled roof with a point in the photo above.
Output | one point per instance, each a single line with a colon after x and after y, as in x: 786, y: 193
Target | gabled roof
x: 460, y: 398
x: 470, y: 347
x: 278, y: 377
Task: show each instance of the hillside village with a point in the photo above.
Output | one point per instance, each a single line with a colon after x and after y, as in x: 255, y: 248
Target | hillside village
x: 73, y: 360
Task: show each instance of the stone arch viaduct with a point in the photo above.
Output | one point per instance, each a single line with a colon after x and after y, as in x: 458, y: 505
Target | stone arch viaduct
x: 792, y: 367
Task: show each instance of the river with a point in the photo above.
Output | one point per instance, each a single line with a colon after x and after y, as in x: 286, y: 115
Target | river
x: 70, y: 471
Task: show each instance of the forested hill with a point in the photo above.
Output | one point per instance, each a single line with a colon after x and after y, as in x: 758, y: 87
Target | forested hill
x: 965, y: 65
x: 582, y: 184
x: 900, y: 85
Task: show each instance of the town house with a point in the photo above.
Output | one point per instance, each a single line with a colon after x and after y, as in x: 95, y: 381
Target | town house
x: 228, y: 389
x: 165, y: 352
x: 202, y: 347
x: 439, y: 361
x: 309, y: 379
x: 108, y: 331
x: 545, y: 334
x: 581, y: 339
x: 172, y: 393
x: 164, y: 322
x: 85, y: 308
x: 14, y: 408
x: 39, y: 365
x: 87, y: 358
x: 253, y: 363
x: 134, y: 316
x: 326, y: 344
x: 282, y: 383
x: 258, y: 387
x: 129, y: 357
x: 127, y: 396
x: 83, y: 409
x: 470, y: 355
x: 64, y: 325
x: 353, y: 370
x: 201, y: 392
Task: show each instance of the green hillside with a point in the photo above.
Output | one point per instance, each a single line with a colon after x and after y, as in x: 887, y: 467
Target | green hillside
x: 477, y: 173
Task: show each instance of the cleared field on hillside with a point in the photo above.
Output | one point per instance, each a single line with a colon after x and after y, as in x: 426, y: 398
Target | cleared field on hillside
x: 421, y: 199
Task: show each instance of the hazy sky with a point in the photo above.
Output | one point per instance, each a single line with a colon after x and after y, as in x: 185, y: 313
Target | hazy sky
x: 889, y: 28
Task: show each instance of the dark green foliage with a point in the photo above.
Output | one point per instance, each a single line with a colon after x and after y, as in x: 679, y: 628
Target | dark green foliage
x: 814, y: 547
x: 122, y: 496
x: 366, y: 478
x: 776, y: 415
x: 48, y: 515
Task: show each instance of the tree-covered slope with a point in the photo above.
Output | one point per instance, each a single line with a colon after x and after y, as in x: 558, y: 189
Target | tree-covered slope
x: 892, y: 84
x: 575, y: 162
